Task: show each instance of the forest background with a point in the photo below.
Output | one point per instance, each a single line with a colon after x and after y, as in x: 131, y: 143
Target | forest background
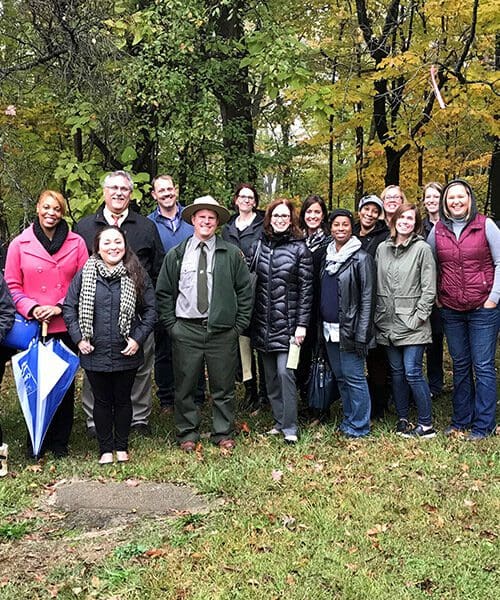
x: 331, y: 97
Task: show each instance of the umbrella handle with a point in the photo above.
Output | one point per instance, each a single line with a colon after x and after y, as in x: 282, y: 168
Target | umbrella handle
x: 45, y: 329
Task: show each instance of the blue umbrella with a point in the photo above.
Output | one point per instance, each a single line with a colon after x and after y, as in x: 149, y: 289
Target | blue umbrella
x: 43, y: 374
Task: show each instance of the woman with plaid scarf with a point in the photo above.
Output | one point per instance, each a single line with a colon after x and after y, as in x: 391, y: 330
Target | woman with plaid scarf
x: 110, y: 311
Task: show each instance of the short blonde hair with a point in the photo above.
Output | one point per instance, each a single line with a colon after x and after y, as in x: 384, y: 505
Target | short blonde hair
x: 394, y: 187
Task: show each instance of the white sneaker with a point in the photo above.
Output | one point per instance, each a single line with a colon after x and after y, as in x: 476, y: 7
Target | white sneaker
x: 291, y: 439
x: 273, y: 431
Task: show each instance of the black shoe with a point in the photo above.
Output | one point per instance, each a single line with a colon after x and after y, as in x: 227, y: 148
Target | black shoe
x: 142, y: 429
x: 60, y: 451
x: 91, y: 433
x: 420, y: 432
x: 402, y: 427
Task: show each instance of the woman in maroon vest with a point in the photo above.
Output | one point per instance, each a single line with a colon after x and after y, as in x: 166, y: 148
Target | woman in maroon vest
x: 467, y: 248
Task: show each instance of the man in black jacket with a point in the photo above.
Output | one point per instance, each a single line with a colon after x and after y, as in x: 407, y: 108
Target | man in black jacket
x: 143, y: 238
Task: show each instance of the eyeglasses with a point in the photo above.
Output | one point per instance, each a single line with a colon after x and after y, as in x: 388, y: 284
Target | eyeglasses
x: 282, y: 217
x: 247, y: 198
x: 116, y: 188
x: 397, y: 197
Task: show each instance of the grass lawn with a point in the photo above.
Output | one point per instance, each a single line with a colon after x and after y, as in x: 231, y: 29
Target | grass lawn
x: 381, y: 518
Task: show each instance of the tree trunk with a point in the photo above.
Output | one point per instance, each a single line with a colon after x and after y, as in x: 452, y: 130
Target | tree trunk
x: 233, y: 96
x: 493, y: 198
x: 360, y: 184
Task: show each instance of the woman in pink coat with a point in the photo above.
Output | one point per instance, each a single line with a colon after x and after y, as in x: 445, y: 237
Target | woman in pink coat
x: 41, y: 262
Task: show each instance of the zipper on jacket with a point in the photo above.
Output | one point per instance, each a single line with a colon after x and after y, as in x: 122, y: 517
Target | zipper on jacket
x: 269, y: 294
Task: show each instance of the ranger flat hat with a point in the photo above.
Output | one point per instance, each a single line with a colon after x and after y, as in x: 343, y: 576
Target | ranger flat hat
x: 206, y: 203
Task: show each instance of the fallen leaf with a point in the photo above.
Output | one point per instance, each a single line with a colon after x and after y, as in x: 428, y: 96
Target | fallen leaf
x: 95, y: 582
x: 290, y: 579
x: 469, y: 503
x: 54, y: 590
x: 133, y: 482
x: 155, y: 552
x: 488, y: 535
x: 439, y: 522
x: 244, y: 427
x: 429, y: 508
x: 377, y: 529
x: 309, y: 456
x: 199, y: 451
x: 276, y: 475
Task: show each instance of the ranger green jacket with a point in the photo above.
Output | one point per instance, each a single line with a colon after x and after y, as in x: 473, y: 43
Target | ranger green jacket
x: 406, y: 290
x: 231, y: 302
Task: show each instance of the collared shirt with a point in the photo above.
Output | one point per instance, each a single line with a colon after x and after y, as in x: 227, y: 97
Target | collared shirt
x: 172, y: 224
x: 187, y: 301
x: 110, y: 217
x: 172, y: 231
x: 331, y: 332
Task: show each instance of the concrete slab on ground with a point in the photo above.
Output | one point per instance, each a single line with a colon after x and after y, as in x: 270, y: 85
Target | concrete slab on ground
x: 125, y: 497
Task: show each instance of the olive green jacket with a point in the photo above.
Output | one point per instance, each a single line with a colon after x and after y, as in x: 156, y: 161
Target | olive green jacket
x: 231, y: 302
x: 406, y: 290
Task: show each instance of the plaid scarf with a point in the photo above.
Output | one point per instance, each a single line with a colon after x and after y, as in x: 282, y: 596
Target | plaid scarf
x: 93, y: 268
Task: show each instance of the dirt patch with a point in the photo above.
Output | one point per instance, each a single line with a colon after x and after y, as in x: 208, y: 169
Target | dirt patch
x: 79, y: 523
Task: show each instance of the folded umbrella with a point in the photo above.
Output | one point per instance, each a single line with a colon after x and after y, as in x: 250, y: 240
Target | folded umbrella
x: 43, y: 374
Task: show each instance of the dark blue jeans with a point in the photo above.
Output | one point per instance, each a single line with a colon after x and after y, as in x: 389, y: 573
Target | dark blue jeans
x: 472, y: 339
x: 349, y: 370
x: 434, y: 354
x: 406, y: 368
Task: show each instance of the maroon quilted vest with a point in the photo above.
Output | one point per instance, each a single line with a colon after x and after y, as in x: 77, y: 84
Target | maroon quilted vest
x: 466, y: 269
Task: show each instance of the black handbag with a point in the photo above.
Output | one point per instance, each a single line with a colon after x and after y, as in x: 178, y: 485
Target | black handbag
x: 322, y: 388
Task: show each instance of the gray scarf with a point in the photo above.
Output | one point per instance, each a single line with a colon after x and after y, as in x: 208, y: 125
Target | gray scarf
x: 92, y: 268
x: 334, y: 259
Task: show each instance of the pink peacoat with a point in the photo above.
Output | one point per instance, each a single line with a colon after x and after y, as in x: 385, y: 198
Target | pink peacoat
x: 35, y: 277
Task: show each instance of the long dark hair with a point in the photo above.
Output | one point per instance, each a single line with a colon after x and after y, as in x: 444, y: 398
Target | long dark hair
x: 130, y: 261
x: 308, y: 202
x: 294, y: 221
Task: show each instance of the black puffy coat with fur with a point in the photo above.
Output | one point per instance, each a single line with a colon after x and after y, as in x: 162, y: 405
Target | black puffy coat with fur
x: 284, y: 292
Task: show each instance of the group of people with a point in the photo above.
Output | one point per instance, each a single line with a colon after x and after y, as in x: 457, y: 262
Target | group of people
x: 374, y: 293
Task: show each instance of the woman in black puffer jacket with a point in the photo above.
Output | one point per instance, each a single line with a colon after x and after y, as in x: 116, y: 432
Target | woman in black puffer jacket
x: 283, y: 303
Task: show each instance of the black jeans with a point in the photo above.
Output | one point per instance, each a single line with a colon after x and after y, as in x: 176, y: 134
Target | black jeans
x: 112, y: 407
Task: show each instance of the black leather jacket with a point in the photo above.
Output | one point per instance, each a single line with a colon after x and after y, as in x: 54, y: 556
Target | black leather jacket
x: 357, y: 295
x: 283, y: 297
